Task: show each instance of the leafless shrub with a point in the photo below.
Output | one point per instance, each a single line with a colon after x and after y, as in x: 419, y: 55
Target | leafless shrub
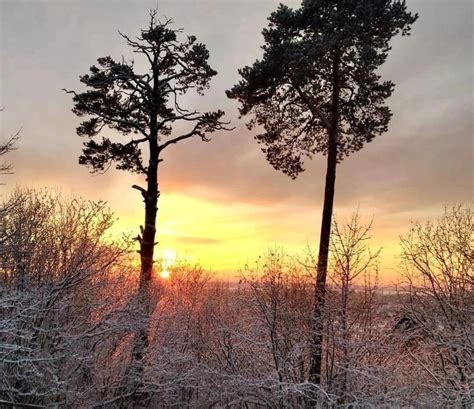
x: 351, y: 312
x: 70, y: 312
x: 60, y: 286
x: 439, y: 260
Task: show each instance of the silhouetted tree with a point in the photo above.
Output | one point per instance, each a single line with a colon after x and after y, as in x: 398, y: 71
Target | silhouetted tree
x: 316, y: 90
x: 144, y: 108
x: 6, y: 147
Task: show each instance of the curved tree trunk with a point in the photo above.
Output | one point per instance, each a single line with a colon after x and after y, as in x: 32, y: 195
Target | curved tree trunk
x: 320, y: 290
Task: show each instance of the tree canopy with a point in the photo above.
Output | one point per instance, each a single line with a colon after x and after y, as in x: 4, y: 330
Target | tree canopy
x: 144, y: 106
x: 290, y: 89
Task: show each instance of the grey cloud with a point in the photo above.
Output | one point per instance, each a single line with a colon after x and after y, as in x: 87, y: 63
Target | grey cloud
x: 425, y: 160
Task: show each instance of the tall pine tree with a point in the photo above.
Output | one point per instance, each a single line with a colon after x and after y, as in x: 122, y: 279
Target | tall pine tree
x: 144, y: 108
x: 317, y: 90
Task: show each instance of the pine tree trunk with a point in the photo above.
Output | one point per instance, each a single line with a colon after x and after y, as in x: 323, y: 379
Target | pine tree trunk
x: 322, y: 267
x: 147, y: 246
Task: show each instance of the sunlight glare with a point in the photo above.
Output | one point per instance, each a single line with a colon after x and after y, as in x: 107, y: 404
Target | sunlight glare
x: 168, y: 258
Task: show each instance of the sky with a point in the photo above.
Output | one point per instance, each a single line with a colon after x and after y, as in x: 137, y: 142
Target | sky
x: 221, y: 203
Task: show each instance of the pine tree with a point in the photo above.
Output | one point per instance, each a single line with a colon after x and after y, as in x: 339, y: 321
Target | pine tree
x: 144, y: 108
x: 317, y: 90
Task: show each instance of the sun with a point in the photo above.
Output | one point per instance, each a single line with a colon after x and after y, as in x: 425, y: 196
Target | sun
x: 168, y: 259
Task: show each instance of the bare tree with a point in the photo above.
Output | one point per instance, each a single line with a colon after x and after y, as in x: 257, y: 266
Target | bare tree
x: 6, y: 147
x: 350, y: 311
x: 278, y: 304
x: 439, y: 260
x: 62, y: 279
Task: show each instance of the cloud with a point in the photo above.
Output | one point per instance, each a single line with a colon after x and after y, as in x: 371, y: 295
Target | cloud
x: 424, y: 161
x: 196, y: 240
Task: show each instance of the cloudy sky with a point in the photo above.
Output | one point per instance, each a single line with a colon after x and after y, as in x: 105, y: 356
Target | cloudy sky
x: 222, y: 204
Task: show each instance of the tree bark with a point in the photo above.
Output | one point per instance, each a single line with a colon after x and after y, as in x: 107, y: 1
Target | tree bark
x: 147, y: 249
x: 147, y: 243
x: 320, y: 290
x: 147, y: 246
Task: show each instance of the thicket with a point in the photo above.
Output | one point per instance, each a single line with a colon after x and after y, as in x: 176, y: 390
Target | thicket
x: 69, y: 313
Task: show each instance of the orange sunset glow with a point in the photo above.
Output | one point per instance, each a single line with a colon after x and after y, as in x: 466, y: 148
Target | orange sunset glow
x: 240, y: 204
x: 222, y: 205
